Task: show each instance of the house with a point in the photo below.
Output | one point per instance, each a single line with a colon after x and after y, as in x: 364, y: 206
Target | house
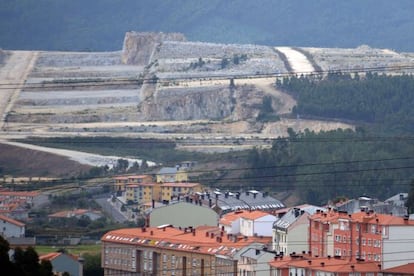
x: 77, y: 213
x: 63, y: 262
x: 362, y: 236
x: 291, y: 231
x: 248, y: 223
x: 11, y: 228
x: 183, y: 214
x: 172, y: 174
x: 167, y: 250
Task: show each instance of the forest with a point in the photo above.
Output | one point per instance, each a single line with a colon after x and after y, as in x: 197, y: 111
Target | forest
x: 382, y: 103
x: 375, y: 159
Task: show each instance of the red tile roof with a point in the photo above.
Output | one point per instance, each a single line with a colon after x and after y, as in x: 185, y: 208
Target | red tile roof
x: 332, y: 265
x: 53, y: 255
x: 228, y: 218
x: 12, y: 221
x: 205, y: 240
x: 407, y: 269
x: 180, y: 184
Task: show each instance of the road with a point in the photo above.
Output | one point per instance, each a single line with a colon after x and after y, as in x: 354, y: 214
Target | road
x: 298, y: 61
x: 12, y: 78
x: 110, y: 210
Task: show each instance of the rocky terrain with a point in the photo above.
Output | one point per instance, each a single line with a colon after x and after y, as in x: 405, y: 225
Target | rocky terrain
x: 162, y: 86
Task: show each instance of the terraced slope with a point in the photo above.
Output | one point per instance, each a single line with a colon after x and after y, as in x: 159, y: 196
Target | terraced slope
x: 192, y: 91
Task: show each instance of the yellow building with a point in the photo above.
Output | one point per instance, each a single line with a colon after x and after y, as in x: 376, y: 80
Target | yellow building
x: 172, y: 174
x: 143, y: 192
x: 176, y: 189
x: 120, y: 182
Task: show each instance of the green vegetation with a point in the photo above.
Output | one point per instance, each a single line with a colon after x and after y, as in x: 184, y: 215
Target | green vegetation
x: 101, y: 25
x: 331, y: 164
x: 148, y: 149
x: 92, y: 249
x: 23, y: 262
x: 374, y: 160
x: 267, y: 113
x: 384, y: 102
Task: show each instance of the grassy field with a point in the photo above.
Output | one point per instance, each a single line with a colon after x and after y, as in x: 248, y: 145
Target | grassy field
x: 77, y: 250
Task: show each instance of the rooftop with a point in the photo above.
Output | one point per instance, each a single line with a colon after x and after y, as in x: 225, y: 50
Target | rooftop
x: 206, y: 240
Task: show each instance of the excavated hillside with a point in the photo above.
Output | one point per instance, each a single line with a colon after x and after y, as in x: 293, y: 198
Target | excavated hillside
x: 162, y: 86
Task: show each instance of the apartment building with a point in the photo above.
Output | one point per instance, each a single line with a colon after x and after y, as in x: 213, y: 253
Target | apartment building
x: 362, y: 236
x: 308, y: 265
x: 166, y: 250
x: 120, y: 182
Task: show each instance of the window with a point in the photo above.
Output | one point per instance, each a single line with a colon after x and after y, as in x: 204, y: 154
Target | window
x: 363, y: 241
x: 369, y: 242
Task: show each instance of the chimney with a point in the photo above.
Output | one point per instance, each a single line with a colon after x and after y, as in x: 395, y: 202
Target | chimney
x: 322, y: 264
x: 247, y: 193
x: 210, y: 202
x: 153, y: 204
x: 309, y: 262
x: 152, y: 233
x: 254, y: 195
x: 257, y: 251
x: 194, y: 232
x: 207, y: 234
x: 238, y: 196
x: 143, y: 229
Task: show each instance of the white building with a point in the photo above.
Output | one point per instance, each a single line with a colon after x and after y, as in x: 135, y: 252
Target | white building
x: 248, y: 223
x: 11, y: 228
x: 291, y: 231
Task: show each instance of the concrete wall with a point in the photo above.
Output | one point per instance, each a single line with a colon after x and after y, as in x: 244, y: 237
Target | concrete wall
x: 183, y: 214
x: 8, y: 229
x: 398, y: 246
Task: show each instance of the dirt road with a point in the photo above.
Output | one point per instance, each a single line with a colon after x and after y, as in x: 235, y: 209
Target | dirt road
x: 12, y: 78
x: 298, y: 61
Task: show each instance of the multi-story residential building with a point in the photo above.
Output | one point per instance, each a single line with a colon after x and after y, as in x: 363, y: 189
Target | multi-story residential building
x: 362, y: 236
x: 394, y: 205
x: 165, y: 250
x: 248, y: 223
x: 302, y: 265
x: 11, y: 228
x: 161, y: 192
x: 254, y: 261
x: 291, y: 231
x: 174, y: 190
x: 227, y: 202
x: 172, y: 174
x: 143, y: 192
x: 120, y: 182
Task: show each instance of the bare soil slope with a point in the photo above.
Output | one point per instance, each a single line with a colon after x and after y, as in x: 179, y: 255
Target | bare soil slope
x: 19, y: 161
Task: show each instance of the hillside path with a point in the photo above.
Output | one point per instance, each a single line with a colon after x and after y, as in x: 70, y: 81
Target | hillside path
x: 13, y: 75
x: 298, y: 61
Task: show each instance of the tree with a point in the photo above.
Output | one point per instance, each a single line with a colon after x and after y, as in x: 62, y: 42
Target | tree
x: 6, y: 265
x: 92, y: 265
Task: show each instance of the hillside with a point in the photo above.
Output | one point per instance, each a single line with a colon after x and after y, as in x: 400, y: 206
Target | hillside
x: 99, y: 25
x: 162, y: 86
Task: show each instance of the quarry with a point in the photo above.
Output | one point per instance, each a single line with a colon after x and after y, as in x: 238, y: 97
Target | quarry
x: 204, y: 96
